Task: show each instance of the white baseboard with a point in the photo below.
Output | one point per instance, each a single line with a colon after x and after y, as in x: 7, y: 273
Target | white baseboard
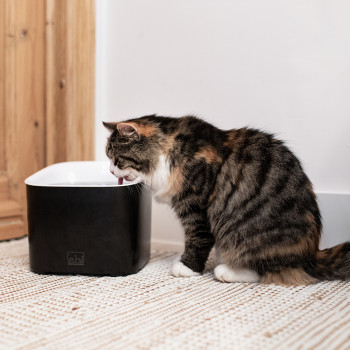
x: 335, y: 211
x: 157, y: 244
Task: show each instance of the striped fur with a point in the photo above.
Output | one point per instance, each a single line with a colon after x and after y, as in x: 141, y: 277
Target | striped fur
x: 241, y: 190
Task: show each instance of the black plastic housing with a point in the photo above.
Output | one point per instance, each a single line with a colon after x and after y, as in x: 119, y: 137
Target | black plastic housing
x: 89, y: 230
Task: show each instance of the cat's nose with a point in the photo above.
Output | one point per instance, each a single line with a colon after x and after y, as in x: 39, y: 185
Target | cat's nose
x: 112, y: 171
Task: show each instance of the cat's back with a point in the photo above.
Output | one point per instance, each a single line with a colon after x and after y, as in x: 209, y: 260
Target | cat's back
x: 258, y: 159
x: 261, y: 185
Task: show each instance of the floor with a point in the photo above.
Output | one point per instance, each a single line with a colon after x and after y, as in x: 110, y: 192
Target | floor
x: 153, y: 310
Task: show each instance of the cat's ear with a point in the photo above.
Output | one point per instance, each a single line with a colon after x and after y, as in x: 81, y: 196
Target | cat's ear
x: 110, y: 126
x: 128, y: 130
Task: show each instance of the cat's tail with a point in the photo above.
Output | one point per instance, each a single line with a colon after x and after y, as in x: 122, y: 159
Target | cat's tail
x: 332, y: 264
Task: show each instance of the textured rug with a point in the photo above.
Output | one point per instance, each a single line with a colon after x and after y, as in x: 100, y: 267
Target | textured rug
x: 153, y: 310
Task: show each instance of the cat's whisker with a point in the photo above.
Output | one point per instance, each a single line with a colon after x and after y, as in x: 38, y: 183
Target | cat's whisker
x: 137, y: 187
x: 130, y: 188
x: 144, y: 186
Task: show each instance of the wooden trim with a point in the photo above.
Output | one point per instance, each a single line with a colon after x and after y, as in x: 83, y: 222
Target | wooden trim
x: 47, y: 65
x: 22, y: 117
x: 70, y: 79
x: 2, y: 85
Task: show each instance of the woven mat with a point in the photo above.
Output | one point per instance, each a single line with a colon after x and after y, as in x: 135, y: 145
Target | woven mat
x: 153, y: 310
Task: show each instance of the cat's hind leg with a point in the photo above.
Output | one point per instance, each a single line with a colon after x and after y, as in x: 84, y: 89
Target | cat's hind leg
x: 226, y: 274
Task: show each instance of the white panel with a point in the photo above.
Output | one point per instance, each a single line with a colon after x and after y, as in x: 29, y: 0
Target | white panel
x: 76, y: 174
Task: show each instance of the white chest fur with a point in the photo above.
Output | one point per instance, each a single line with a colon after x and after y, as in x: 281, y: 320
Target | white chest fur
x: 159, y: 181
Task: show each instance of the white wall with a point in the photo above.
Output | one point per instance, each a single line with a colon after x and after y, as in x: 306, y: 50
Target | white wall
x: 283, y: 66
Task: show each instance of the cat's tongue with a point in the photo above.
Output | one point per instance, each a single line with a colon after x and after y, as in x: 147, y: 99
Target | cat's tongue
x: 120, y: 181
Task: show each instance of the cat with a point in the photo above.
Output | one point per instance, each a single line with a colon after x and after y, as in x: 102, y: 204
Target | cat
x: 241, y: 190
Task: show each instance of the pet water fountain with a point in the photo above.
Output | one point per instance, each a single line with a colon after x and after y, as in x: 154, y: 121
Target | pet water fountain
x: 81, y: 221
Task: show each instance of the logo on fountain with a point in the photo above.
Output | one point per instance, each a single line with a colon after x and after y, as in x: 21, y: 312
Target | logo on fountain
x: 75, y: 258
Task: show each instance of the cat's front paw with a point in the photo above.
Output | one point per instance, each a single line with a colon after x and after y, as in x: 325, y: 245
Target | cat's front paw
x: 181, y: 270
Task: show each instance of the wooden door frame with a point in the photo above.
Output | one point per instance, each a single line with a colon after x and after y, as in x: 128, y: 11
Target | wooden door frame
x: 70, y: 80
x: 47, y: 78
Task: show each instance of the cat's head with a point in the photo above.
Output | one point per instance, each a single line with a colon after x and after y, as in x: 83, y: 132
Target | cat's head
x: 134, y: 147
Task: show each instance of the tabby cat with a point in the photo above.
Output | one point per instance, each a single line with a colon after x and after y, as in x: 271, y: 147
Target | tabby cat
x: 241, y: 190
